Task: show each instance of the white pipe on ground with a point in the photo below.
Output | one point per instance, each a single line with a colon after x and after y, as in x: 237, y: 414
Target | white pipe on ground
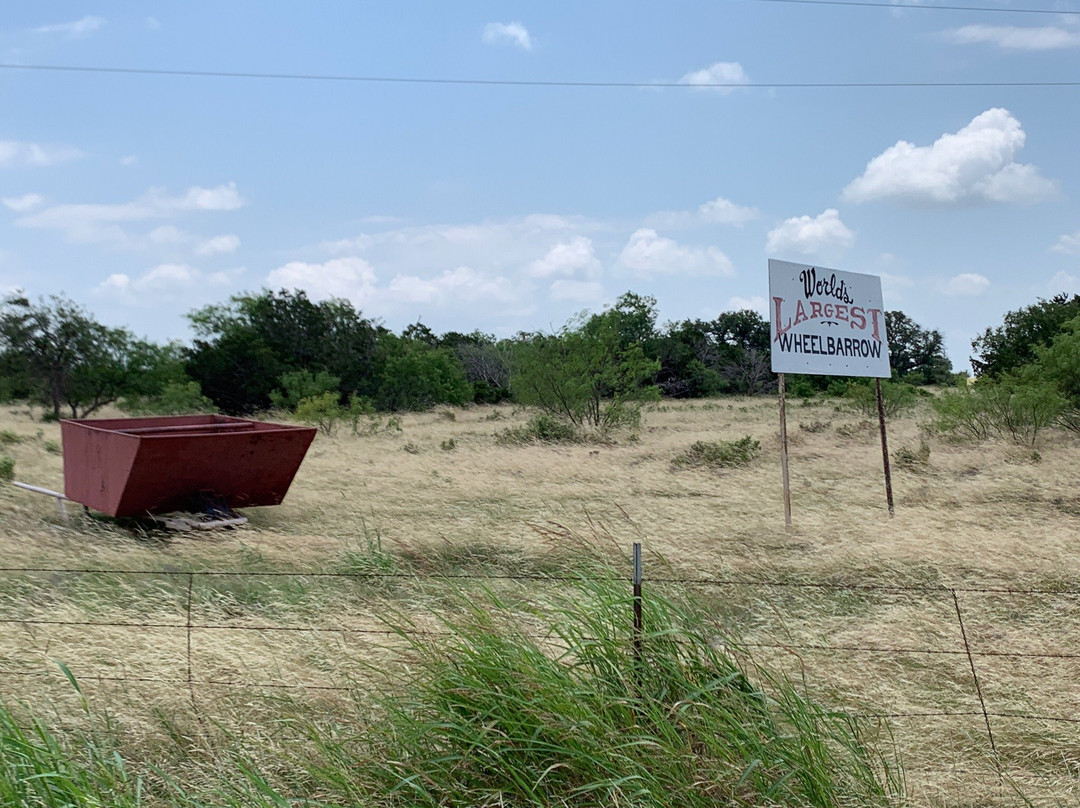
x: 39, y: 490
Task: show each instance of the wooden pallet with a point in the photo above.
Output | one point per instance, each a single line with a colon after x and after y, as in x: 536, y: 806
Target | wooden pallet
x: 195, y: 521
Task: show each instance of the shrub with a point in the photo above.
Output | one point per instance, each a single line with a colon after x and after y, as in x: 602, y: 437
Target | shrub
x: 448, y: 445
x: 175, y: 398
x: 365, y: 421
x: 799, y: 386
x: 1008, y: 408
x: 322, y: 411
x: 1070, y: 419
x: 912, y: 459
x: 587, y: 374
x: 719, y: 454
x: 895, y: 398
x: 7, y: 437
x: 7, y: 468
x: 837, y: 388
x: 541, y: 428
x: 298, y: 385
x: 416, y: 376
x: 52, y: 447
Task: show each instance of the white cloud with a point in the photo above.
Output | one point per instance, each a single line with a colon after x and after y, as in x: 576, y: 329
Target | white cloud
x: 1070, y: 245
x: 567, y: 259
x: 171, y: 235
x: 129, y: 160
x: 590, y: 292
x: 1064, y: 282
x: 975, y: 164
x: 724, y: 211
x: 73, y: 30
x: 824, y: 234
x: 225, y: 277
x: 152, y: 23
x: 730, y: 74
x: 17, y: 153
x: 1013, y: 37
x: 755, y: 303
x: 968, y: 284
x: 462, y: 283
x: 382, y: 220
x: 468, y: 267
x: 223, y: 197
x: 21, y: 204
x: 495, y: 247
x: 351, y: 278
x: 118, y: 283
x: 100, y: 222
x: 218, y: 245
x: 511, y: 32
x: 167, y: 234
x: 893, y: 286
x: 716, y: 211
x: 163, y: 279
x: 168, y: 276
x: 647, y: 253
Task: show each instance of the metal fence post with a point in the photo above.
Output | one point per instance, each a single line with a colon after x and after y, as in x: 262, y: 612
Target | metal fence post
x: 638, y: 621
x: 190, y: 681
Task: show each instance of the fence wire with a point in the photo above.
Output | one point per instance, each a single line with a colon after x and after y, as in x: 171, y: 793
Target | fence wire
x: 962, y: 649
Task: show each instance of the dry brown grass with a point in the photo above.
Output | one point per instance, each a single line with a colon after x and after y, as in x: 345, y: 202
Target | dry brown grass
x: 986, y: 515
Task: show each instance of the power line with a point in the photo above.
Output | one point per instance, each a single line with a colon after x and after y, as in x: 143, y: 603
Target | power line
x: 914, y: 6
x: 224, y: 74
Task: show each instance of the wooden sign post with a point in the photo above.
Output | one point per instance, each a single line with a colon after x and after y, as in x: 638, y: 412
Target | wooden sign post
x: 783, y: 453
x: 832, y: 323
x: 884, y: 448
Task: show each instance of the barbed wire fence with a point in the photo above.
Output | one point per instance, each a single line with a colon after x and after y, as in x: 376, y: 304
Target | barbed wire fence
x: 638, y: 588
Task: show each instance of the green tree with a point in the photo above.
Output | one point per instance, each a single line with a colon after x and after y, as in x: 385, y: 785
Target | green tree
x: 916, y: 355
x: 586, y: 373
x: 727, y: 355
x: 243, y: 347
x: 65, y: 358
x: 414, y: 375
x: 746, y: 360
x: 745, y: 329
x: 174, y: 398
x: 690, y: 360
x: 634, y: 318
x: 236, y: 369
x: 1059, y: 362
x: 1013, y: 344
x: 297, y: 385
x: 485, y: 362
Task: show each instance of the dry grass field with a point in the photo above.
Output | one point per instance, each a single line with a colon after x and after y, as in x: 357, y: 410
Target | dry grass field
x: 974, y: 518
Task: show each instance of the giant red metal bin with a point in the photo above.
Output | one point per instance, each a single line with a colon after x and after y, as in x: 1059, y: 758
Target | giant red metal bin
x: 136, y: 466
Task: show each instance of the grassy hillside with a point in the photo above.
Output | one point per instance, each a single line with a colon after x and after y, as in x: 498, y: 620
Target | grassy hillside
x: 395, y: 511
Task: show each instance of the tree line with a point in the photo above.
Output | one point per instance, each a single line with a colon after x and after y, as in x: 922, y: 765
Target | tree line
x: 280, y: 348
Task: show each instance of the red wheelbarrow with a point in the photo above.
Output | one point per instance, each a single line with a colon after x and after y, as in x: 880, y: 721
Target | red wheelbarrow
x: 208, y: 464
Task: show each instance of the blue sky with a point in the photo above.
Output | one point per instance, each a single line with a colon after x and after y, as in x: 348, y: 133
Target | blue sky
x: 510, y: 208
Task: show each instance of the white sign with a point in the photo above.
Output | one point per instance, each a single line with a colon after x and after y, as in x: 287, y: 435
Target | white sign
x: 826, y: 322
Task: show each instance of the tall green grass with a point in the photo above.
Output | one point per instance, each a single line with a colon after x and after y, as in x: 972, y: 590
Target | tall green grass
x: 501, y: 705
x: 37, y: 769
x: 552, y: 709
